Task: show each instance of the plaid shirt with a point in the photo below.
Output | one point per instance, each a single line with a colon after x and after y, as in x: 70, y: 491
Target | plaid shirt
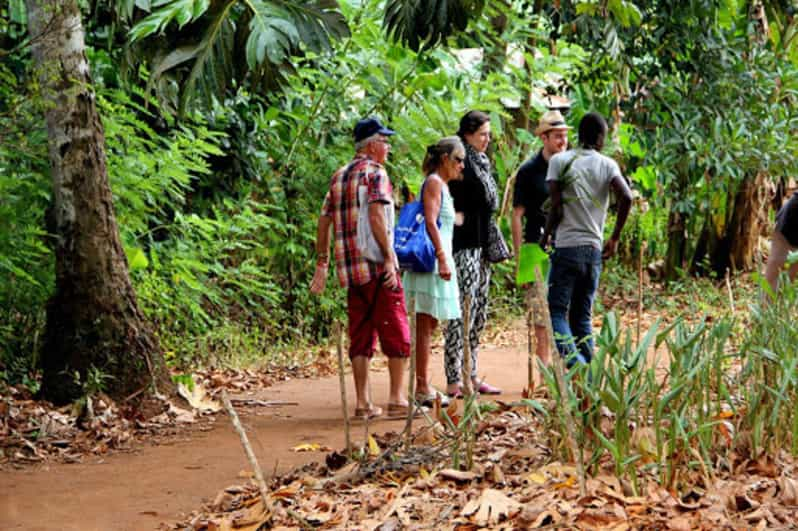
x: 341, y: 205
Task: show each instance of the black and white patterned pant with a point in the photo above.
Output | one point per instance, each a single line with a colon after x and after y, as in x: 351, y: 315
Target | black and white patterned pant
x: 473, y: 277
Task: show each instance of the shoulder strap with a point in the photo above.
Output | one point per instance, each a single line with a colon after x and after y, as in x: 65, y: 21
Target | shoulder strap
x: 368, y: 165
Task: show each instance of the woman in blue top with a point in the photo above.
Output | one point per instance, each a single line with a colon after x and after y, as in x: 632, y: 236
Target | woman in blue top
x: 437, y: 297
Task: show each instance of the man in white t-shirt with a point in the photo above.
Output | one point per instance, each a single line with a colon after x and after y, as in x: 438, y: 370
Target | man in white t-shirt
x: 579, y: 182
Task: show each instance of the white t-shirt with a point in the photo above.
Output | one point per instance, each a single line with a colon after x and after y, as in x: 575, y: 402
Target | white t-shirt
x: 585, y: 186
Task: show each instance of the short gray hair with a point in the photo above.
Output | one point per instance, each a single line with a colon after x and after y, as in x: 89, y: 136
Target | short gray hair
x: 366, y: 141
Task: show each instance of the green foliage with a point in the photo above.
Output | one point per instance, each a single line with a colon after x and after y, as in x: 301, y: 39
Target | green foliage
x: 203, y: 55
x: 95, y: 382
x: 26, y: 262
x: 687, y: 396
x: 217, y: 209
x: 425, y: 23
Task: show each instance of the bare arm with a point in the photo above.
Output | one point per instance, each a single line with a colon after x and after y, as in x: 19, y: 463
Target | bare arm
x: 624, y: 197
x: 555, y: 214
x: 432, y: 208
x: 322, y: 253
x: 380, y: 230
x: 517, y: 224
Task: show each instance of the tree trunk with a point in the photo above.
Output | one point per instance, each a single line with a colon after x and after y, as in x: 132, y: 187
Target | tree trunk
x: 733, y: 246
x: 748, y: 221
x: 677, y: 244
x: 93, y: 320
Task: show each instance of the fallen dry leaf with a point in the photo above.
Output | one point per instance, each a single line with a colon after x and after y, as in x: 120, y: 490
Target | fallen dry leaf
x: 680, y: 523
x: 374, y: 448
x: 310, y: 447
x: 457, y: 475
x: 788, y: 488
x: 198, y: 398
x: 545, y: 519
x: 537, y: 477
x: 491, y: 507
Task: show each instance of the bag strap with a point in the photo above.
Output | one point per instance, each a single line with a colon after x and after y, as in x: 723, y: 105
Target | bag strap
x: 351, y: 167
x: 421, y: 197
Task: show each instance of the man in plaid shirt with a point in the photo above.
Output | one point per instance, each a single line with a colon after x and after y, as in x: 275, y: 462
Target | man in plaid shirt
x: 375, y: 299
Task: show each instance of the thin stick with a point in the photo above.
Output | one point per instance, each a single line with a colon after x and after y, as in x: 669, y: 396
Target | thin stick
x: 339, y: 329
x: 559, y: 372
x: 253, y: 461
x: 529, y: 336
x: 731, y: 295
x: 366, y: 424
x: 468, y: 388
x: 639, y: 291
x: 507, y: 197
x: 411, y: 385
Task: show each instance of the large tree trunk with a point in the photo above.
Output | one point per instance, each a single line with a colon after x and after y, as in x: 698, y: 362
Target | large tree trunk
x: 749, y: 221
x: 677, y: 244
x: 733, y: 246
x: 93, y: 320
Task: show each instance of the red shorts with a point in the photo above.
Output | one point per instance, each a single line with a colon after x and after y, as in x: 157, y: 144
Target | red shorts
x: 376, y: 311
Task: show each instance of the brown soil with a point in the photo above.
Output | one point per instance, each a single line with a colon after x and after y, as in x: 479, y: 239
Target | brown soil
x: 161, y: 484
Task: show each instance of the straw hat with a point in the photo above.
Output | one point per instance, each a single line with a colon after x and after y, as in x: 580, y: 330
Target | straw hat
x: 549, y: 121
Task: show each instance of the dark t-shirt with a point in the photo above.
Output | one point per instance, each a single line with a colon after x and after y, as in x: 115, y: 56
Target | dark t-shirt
x: 530, y: 192
x: 787, y: 220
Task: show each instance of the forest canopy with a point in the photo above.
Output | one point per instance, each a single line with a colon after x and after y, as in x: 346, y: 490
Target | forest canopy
x: 224, y: 120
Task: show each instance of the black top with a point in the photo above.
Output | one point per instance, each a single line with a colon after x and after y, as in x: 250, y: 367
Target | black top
x: 787, y: 220
x: 469, y: 197
x: 530, y: 192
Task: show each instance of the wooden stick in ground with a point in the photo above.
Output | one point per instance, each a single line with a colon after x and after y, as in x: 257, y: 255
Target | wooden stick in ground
x: 639, y: 291
x: 468, y: 387
x: 264, y: 491
x: 565, y: 410
x: 411, y: 385
x: 731, y: 295
x: 339, y: 333
x: 530, y: 364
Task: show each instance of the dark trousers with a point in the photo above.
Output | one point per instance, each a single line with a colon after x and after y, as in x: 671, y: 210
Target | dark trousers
x: 573, y: 281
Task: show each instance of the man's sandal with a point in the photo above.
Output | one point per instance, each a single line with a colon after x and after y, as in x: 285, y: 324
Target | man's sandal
x: 367, y: 413
x: 398, y: 411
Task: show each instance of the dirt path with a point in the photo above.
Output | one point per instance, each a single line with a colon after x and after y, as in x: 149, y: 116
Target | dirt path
x: 140, y: 490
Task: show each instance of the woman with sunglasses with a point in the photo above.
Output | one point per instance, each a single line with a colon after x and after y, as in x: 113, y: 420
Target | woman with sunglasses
x: 476, y: 198
x: 436, y: 294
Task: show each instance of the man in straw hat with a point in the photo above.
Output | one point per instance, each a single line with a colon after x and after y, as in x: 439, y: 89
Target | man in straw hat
x: 530, y: 192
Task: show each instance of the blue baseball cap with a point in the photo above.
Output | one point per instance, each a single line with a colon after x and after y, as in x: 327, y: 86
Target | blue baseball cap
x: 370, y: 126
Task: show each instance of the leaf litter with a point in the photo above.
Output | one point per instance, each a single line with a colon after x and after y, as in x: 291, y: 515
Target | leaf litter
x: 517, y: 483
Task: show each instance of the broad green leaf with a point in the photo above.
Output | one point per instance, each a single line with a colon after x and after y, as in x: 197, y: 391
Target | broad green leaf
x: 136, y: 258
x: 181, y: 11
x: 17, y: 12
x: 646, y: 177
x: 532, y: 257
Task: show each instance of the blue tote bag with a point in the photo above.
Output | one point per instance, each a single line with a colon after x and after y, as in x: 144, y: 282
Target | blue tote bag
x: 412, y: 244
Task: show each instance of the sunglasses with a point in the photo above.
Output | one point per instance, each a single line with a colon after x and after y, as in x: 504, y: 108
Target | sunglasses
x: 459, y: 160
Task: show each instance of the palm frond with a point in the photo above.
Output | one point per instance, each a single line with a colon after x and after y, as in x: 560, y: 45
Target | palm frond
x: 424, y: 23
x: 220, y: 42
